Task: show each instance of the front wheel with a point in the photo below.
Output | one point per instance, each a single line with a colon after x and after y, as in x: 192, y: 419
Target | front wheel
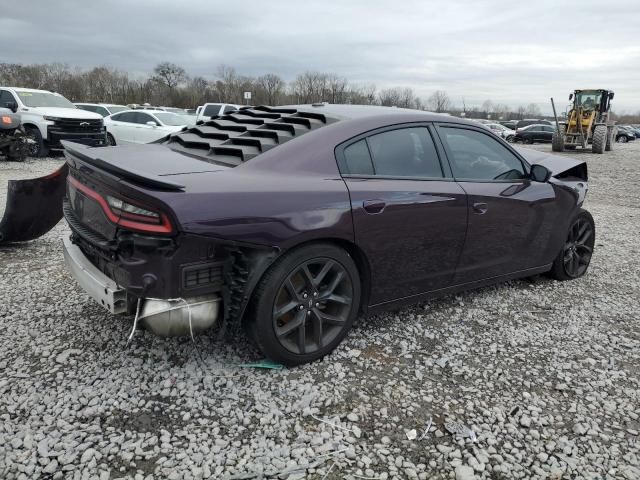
x: 574, y: 257
x: 623, y: 139
x: 37, y: 146
x: 110, y: 140
x: 306, y: 304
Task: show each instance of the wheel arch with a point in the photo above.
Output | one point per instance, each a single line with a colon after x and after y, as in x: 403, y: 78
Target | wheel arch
x: 258, y: 262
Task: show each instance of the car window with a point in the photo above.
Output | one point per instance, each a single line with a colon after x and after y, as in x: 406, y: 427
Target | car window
x: 102, y: 111
x: 129, y: 117
x: 478, y: 156
x: 405, y: 152
x: 228, y: 109
x: 5, y: 98
x: 211, y: 110
x: 142, y: 118
x: 356, y: 159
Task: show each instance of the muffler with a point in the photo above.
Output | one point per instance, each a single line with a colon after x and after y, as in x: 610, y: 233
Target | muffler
x: 177, y: 317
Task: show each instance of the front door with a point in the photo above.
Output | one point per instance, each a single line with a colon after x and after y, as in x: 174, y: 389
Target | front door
x: 409, y: 216
x: 510, y: 216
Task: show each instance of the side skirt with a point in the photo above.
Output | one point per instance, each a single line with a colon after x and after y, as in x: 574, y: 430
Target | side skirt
x: 413, y: 299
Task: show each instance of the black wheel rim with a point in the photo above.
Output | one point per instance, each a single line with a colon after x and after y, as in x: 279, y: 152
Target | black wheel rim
x: 578, y: 248
x: 34, y: 146
x: 312, y: 306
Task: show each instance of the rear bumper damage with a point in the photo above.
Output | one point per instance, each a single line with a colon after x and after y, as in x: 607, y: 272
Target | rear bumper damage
x: 164, y: 317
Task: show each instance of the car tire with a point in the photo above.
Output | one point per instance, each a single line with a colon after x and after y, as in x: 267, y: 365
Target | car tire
x: 305, y: 304
x: 599, y: 141
x: 622, y: 139
x: 575, y: 255
x: 557, y: 139
x: 529, y: 140
x: 39, y: 148
x: 110, y: 140
x: 510, y: 139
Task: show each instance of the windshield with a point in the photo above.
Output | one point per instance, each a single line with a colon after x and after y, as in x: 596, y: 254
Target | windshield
x: 116, y: 108
x: 170, y: 119
x: 44, y: 99
x: 588, y: 100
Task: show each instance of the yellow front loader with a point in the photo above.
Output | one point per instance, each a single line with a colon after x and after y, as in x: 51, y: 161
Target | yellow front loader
x: 588, y: 122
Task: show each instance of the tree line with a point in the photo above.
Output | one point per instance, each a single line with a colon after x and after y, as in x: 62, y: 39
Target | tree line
x: 169, y: 85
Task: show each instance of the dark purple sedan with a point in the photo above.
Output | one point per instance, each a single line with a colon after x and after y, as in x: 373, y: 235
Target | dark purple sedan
x: 294, y: 220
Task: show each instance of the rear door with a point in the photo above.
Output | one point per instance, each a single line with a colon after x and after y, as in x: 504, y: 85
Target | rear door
x: 122, y: 126
x: 409, y: 216
x: 510, y: 217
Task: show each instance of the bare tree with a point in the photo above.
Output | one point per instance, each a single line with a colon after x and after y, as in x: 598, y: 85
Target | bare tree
x: 532, y: 110
x: 272, y: 87
x: 439, y: 102
x: 170, y: 74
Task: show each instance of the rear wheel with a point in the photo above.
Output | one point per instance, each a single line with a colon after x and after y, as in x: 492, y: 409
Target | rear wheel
x: 37, y: 147
x: 557, y: 139
x: 575, y: 256
x: 306, y: 304
x: 599, y: 140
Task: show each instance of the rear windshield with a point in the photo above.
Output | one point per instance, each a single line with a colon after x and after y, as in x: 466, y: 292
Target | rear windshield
x: 169, y: 118
x: 211, y: 110
x: 44, y: 99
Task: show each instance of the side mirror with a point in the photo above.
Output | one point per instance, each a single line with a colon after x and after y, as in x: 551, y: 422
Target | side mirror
x: 152, y: 123
x: 12, y: 105
x: 540, y: 173
x: 571, y: 96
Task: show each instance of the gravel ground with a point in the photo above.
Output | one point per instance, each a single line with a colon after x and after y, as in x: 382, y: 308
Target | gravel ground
x: 542, y: 377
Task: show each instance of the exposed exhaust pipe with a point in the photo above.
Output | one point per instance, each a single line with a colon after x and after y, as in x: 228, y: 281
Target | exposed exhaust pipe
x: 177, y: 317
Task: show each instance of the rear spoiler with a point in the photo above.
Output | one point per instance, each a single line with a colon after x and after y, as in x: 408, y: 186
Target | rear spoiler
x: 34, y: 206
x: 90, y: 155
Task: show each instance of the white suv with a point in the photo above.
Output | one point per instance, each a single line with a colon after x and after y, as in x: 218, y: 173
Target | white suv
x: 208, y: 110
x: 49, y: 117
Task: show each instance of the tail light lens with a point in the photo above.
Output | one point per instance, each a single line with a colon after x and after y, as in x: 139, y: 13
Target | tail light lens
x: 126, y: 214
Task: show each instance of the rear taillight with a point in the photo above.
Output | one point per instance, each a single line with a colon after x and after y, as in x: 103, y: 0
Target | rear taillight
x: 126, y: 214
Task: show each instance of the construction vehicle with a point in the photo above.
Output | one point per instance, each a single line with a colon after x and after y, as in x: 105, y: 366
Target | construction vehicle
x: 588, y: 122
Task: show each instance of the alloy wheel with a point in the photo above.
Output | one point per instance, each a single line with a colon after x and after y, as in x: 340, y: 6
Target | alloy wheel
x: 312, y: 305
x: 578, y: 248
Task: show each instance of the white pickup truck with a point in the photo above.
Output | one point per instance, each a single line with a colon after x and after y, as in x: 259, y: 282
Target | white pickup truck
x: 49, y: 117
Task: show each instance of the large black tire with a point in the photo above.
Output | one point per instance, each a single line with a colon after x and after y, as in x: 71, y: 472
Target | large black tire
x: 599, y: 141
x: 611, y: 135
x: 40, y: 148
x: 110, y: 140
x: 577, y: 248
x: 557, y: 139
x: 283, y: 289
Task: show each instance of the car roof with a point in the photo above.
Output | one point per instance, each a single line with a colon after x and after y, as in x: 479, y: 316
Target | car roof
x: 100, y: 104
x: 346, y: 112
x: 20, y: 89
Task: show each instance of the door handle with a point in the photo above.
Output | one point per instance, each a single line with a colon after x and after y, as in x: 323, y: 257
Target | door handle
x: 373, y: 206
x: 480, y: 208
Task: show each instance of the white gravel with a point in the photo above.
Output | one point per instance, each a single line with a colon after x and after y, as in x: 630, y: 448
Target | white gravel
x: 539, y: 379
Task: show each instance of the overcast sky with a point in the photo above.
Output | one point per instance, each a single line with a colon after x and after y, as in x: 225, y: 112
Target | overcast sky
x: 513, y: 52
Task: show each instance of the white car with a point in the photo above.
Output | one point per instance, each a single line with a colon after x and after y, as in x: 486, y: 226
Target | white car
x: 501, y: 131
x: 208, y: 110
x: 48, y: 117
x: 142, y: 126
x: 104, y: 109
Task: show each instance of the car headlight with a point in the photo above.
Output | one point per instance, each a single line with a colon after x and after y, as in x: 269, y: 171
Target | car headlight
x: 51, y: 119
